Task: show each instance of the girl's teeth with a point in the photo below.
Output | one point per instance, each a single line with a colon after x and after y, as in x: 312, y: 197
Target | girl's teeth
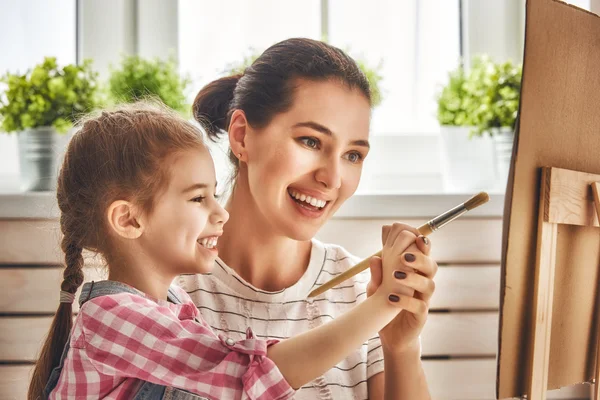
x: 209, y: 243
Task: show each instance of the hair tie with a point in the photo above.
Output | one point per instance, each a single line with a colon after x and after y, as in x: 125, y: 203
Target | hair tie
x: 66, y: 297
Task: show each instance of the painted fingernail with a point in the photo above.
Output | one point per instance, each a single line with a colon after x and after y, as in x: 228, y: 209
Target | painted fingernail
x: 394, y: 298
x: 410, y: 257
x: 425, y: 240
x: 399, y: 274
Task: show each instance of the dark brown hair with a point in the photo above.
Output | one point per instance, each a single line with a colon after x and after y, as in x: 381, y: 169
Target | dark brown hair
x: 117, y: 155
x: 266, y: 88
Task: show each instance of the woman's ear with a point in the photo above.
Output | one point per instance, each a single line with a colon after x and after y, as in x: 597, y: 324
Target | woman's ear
x: 124, y: 219
x: 238, y: 128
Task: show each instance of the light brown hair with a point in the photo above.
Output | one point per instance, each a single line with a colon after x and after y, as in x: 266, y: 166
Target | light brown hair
x: 116, y: 155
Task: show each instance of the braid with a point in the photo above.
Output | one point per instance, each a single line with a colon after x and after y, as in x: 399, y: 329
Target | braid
x: 73, y: 275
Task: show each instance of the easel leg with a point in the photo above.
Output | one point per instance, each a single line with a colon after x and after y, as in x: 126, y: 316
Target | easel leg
x: 596, y: 193
x: 543, y: 296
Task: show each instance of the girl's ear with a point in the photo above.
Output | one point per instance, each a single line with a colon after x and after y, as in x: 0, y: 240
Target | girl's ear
x: 124, y: 219
x: 238, y: 128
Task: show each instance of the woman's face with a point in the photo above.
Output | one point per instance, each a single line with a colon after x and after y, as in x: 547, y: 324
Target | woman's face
x: 308, y: 160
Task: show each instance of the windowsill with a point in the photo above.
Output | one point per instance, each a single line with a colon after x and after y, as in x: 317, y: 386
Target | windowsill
x: 15, y: 203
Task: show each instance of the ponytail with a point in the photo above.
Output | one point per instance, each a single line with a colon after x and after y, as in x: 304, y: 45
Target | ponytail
x: 60, y: 329
x: 212, y: 103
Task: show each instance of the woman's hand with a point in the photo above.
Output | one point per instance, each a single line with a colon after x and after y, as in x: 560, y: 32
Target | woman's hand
x: 415, y: 269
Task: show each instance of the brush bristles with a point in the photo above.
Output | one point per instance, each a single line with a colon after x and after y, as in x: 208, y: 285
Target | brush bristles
x: 477, y: 200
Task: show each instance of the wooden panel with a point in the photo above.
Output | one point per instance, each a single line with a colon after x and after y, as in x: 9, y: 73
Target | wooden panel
x: 36, y: 290
x: 467, y: 287
x: 446, y: 381
x: 464, y: 240
x: 34, y: 241
x: 460, y: 334
x: 30, y: 241
x: 476, y: 380
x: 444, y: 334
x: 14, y: 381
x: 22, y: 338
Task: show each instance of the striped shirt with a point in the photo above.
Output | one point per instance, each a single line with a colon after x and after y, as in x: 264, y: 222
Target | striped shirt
x: 230, y: 305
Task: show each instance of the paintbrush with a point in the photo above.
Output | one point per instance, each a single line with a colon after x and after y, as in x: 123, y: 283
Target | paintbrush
x: 425, y: 229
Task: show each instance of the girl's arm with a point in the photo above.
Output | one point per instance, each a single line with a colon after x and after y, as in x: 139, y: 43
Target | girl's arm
x: 307, y: 356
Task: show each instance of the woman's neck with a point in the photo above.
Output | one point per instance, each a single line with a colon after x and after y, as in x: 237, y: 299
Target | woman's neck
x: 265, y: 259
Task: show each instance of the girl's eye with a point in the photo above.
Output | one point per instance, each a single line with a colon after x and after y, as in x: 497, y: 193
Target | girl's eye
x: 198, y: 199
x: 310, y: 142
x: 355, y: 157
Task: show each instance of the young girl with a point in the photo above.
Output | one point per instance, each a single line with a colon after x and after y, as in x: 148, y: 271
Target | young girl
x: 138, y: 187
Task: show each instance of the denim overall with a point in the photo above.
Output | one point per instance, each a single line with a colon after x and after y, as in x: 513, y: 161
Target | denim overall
x: 147, y: 390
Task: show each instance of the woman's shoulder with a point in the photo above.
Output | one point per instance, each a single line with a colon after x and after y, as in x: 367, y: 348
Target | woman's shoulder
x: 337, y: 254
x: 339, y: 259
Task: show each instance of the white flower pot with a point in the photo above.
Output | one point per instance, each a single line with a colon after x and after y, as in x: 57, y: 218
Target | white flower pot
x: 467, y: 164
x: 503, y: 143
x: 40, y: 152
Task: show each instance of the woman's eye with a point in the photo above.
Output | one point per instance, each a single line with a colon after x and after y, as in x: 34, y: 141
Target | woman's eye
x: 310, y: 142
x: 355, y: 157
x: 198, y: 199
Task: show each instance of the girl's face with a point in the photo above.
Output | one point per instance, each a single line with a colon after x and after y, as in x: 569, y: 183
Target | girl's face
x: 182, y: 230
x: 308, y: 161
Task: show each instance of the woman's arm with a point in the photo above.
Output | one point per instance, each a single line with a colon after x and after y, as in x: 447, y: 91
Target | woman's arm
x: 403, y: 375
x: 403, y: 378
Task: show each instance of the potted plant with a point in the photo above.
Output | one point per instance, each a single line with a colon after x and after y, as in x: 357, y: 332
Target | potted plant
x: 497, y: 88
x: 138, y: 78
x: 40, y: 105
x: 466, y: 158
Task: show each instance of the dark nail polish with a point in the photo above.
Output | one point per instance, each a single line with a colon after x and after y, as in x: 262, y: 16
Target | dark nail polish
x: 394, y: 298
x: 410, y: 257
x: 399, y: 274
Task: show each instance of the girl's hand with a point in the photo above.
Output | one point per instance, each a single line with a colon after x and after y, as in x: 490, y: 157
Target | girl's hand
x: 406, y: 261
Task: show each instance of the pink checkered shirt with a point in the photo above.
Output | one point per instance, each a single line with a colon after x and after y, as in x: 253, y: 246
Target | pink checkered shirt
x: 118, y: 340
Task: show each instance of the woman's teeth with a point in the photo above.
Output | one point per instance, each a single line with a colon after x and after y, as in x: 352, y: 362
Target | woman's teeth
x: 307, y: 199
x: 209, y: 243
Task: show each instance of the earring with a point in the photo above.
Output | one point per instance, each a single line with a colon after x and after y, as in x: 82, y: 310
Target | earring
x: 240, y: 156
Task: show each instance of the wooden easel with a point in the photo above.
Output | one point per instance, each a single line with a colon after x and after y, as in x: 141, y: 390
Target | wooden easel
x: 566, y: 197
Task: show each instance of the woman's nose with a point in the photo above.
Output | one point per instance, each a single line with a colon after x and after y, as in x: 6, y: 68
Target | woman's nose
x: 329, y: 175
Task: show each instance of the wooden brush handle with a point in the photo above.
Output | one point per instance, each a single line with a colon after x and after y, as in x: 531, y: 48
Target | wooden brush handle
x: 424, y: 230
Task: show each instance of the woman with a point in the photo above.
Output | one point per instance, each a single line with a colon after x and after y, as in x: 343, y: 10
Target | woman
x: 298, y: 128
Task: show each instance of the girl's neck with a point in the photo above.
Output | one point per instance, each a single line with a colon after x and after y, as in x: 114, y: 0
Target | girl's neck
x: 140, y: 275
x: 265, y: 259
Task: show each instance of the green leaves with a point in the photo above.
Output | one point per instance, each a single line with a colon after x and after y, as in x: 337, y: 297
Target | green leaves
x: 47, y: 95
x: 485, y: 98
x: 139, y: 78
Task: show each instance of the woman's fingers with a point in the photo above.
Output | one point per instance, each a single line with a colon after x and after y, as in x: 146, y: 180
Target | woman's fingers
x: 417, y: 282
x: 424, y: 244
x: 394, y: 230
x: 413, y: 305
x: 418, y: 261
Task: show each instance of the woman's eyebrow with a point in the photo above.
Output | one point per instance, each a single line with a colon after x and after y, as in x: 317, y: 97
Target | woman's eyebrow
x: 325, y: 130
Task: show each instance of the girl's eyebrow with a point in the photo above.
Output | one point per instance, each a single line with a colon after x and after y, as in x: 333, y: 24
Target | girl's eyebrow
x: 196, y: 186
x: 326, y: 131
